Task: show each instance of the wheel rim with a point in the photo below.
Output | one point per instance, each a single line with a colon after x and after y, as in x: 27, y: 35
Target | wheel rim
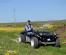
x: 32, y: 43
x: 19, y: 39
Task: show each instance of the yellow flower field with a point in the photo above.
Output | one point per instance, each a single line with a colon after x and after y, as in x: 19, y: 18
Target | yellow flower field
x: 50, y: 26
x: 11, y: 28
x: 22, y: 28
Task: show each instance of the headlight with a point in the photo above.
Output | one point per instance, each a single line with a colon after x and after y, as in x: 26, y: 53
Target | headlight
x: 48, y: 39
x: 40, y: 33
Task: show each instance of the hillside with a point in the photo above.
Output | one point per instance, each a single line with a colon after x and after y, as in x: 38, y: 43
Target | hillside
x: 34, y: 23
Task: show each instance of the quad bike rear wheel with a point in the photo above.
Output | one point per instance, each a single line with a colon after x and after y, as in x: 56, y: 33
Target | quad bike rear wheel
x: 22, y: 38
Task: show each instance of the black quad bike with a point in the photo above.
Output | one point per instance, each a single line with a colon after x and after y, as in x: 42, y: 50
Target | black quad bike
x: 39, y: 37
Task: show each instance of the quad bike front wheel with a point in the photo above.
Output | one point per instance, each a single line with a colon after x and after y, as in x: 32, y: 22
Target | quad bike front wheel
x: 34, y: 42
x: 57, y: 44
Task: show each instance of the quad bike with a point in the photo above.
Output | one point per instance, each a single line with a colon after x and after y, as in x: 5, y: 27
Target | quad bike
x: 39, y: 37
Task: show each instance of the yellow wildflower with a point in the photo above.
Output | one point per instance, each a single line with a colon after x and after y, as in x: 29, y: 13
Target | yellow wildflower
x: 7, y: 53
x: 14, y: 51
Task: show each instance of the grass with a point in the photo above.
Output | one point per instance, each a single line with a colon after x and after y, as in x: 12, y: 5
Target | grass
x: 7, y: 44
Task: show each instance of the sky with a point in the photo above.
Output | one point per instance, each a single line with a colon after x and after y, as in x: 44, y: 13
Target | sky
x: 34, y: 10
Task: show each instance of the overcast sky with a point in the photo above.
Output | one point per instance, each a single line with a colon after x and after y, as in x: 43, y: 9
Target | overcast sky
x: 34, y: 10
